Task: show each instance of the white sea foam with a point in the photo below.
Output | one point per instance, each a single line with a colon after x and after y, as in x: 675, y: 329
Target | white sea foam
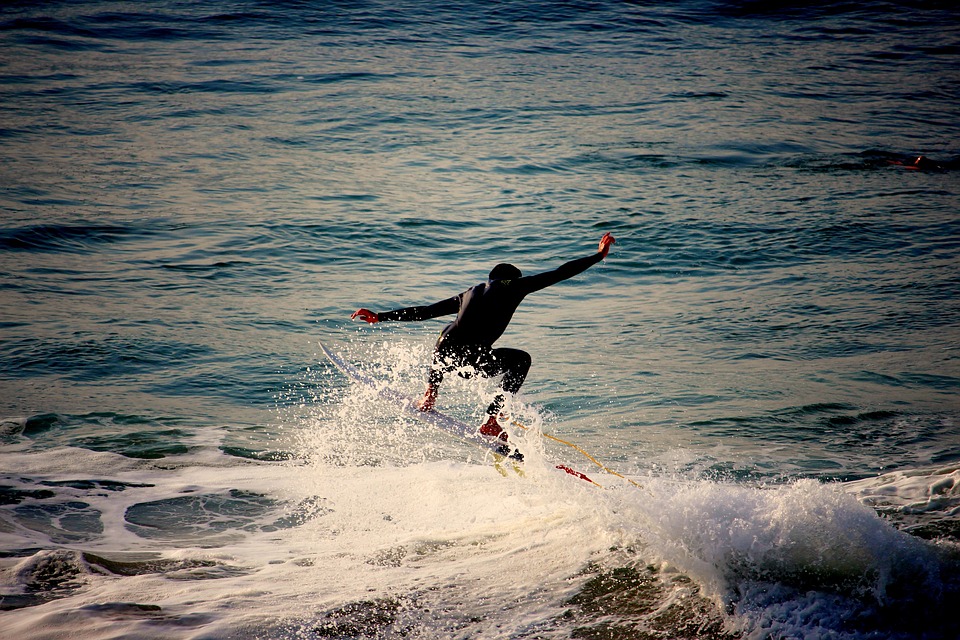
x: 464, y: 550
x: 790, y: 559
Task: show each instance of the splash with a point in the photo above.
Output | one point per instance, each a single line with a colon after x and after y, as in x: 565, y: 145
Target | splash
x: 797, y: 559
x: 789, y: 559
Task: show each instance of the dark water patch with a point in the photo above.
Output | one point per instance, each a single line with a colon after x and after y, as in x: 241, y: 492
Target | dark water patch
x: 948, y: 456
x: 13, y: 601
x: 45, y: 24
x: 899, y: 434
x: 47, y: 575
x: 290, y: 142
x: 364, y: 619
x: 347, y: 197
x: 892, y: 439
x: 868, y: 416
x: 147, y: 445
x: 94, y: 358
x: 852, y: 238
x: 259, y: 86
x: 256, y: 454
x: 699, y: 95
x: 135, y: 567
x: 213, y: 519
x: 36, y: 425
x: 220, y: 270
x: 20, y: 553
x: 72, y: 45
x: 96, y: 485
x: 43, y: 79
x: 39, y: 424
x: 179, y: 121
x: 345, y: 77
x: 843, y: 438
x: 708, y: 245
x: 627, y: 603
x: 817, y: 408
x: 12, y: 133
x: 133, y: 26
x: 197, y: 517
x: 940, y: 529
x: 830, y: 12
x: 45, y: 32
x: 529, y: 169
x: 188, y: 569
x: 124, y: 609
x: 74, y: 493
x: 132, y: 436
x: 825, y: 414
x: 65, y: 238
x: 642, y: 162
x: 13, y: 495
x: 61, y: 522
x: 49, y: 32
x: 909, y: 380
x: 931, y: 381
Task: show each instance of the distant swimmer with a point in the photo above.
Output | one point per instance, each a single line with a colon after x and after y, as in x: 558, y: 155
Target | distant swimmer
x: 918, y: 163
x: 875, y: 158
x: 483, y: 313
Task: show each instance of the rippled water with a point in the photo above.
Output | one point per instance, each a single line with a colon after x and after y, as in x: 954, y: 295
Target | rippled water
x: 194, y: 196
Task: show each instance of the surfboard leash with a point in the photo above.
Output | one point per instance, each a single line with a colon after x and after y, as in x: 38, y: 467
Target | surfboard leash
x: 589, y: 457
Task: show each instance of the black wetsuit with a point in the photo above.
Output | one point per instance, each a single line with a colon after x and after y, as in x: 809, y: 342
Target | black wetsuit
x: 483, y: 313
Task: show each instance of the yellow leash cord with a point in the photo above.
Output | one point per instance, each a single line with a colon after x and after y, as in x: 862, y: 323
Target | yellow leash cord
x: 582, y: 452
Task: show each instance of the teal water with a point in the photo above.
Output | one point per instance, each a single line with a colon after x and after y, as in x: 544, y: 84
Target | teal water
x: 193, y: 197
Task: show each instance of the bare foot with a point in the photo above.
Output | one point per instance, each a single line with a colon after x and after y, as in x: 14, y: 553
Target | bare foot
x: 429, y: 399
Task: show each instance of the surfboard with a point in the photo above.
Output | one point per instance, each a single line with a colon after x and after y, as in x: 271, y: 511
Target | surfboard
x: 500, y: 449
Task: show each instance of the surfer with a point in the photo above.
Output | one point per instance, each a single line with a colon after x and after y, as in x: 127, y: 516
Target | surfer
x: 483, y: 313
x: 918, y: 163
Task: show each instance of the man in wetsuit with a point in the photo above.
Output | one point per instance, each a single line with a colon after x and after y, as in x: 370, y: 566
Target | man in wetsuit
x: 483, y: 313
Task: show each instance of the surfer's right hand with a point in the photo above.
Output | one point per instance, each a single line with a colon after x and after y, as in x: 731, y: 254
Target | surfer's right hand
x: 366, y: 315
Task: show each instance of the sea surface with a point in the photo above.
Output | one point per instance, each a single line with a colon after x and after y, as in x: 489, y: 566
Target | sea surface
x: 762, y: 378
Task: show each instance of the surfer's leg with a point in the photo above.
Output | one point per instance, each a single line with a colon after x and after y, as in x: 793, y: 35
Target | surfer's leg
x: 514, y: 364
x: 429, y: 398
x: 433, y: 384
x: 445, y: 359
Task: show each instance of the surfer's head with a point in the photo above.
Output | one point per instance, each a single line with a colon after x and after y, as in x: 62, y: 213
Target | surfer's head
x: 504, y: 271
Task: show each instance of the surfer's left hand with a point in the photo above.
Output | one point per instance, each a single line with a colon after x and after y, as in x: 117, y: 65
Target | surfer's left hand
x: 366, y: 315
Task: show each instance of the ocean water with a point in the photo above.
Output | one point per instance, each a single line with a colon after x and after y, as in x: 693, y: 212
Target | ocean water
x: 765, y: 369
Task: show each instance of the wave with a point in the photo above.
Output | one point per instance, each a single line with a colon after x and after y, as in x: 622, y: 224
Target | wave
x: 924, y: 502
x: 675, y: 556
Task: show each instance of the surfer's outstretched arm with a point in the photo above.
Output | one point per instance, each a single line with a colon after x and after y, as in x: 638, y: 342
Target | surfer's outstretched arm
x: 410, y: 314
x: 569, y: 269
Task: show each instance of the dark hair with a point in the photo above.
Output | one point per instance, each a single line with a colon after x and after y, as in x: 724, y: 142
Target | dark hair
x: 505, y: 271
